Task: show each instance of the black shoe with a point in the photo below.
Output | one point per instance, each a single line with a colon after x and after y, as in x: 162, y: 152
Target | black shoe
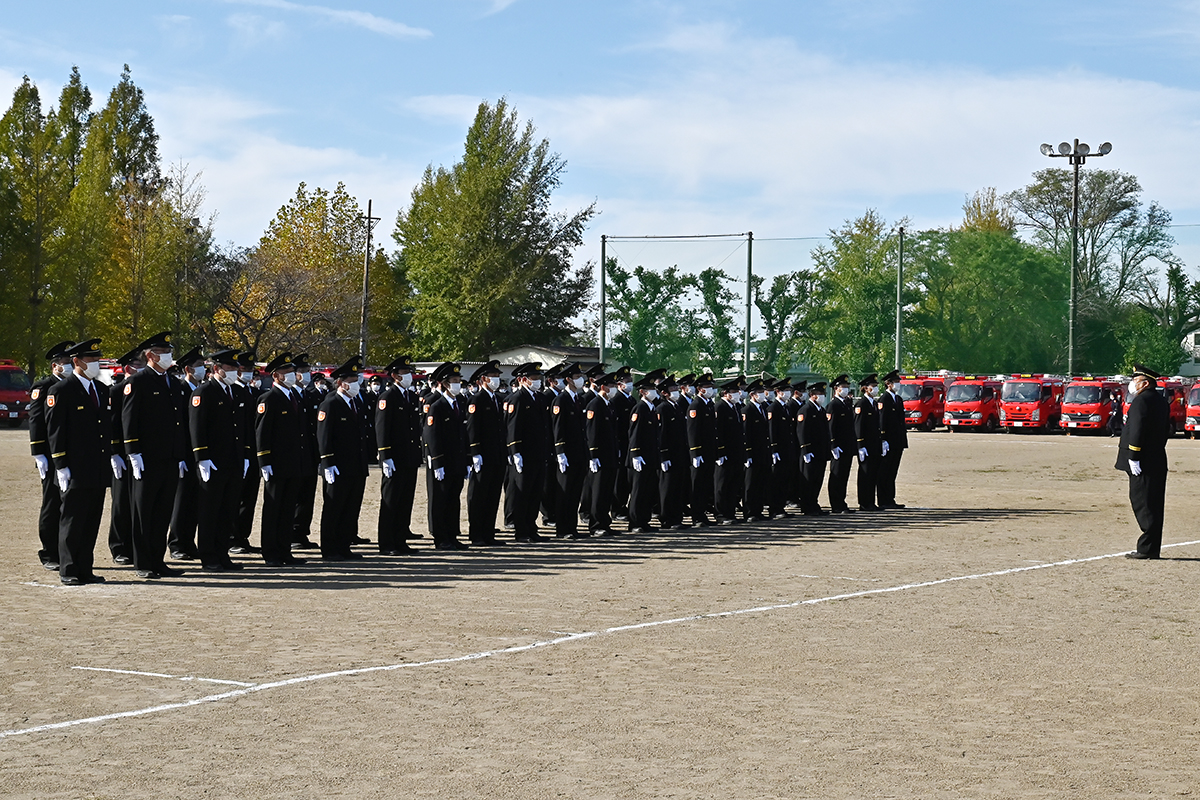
x: 533, y: 538
x: 359, y: 540
x: 292, y: 561
x: 305, y: 544
x: 148, y: 574
x: 820, y: 512
x: 581, y: 535
x: 620, y: 518
x: 398, y: 551
x: 411, y: 535
x: 92, y: 578
x: 869, y: 508
x: 71, y: 580
x: 453, y: 544
x: 350, y: 555
x: 1139, y: 556
x: 781, y: 515
x: 122, y: 560
x: 756, y: 518
x: 50, y: 565
x: 642, y: 529
x: 893, y: 505
x: 239, y: 550
x: 170, y: 572
x: 276, y: 562
x: 725, y: 523
x: 183, y: 555
x: 220, y: 567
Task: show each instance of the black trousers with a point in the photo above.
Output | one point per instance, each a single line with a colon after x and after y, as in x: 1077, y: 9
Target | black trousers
x: 339, y: 513
x: 812, y: 476
x: 783, y: 483
x: 153, y: 502
x: 396, y: 498
x: 889, y: 466
x: 483, y: 500
x: 620, y: 498
x: 527, y: 488
x: 728, y: 487
x: 703, y: 489
x: 509, y: 503
x: 247, y: 502
x: 867, y: 480
x: 120, y: 521
x: 643, y: 494
x: 78, y: 527
x: 444, y: 505
x: 1147, y: 496
x: 278, y: 511
x: 600, y: 511
x: 549, y: 501
x: 48, y: 518
x: 184, y: 516
x: 673, y: 488
x: 302, y: 524
x: 570, y: 492
x: 217, y: 514
x: 757, y: 486
x: 839, y: 476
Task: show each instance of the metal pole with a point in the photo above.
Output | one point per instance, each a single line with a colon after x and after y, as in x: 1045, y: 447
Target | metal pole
x: 1074, y: 263
x: 603, y: 292
x: 899, y: 296
x: 749, y: 295
x: 362, y: 330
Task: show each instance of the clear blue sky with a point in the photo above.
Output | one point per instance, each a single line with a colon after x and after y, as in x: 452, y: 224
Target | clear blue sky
x: 785, y: 117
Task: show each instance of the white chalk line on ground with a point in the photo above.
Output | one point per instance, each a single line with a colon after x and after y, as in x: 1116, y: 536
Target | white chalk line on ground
x: 163, y: 675
x: 261, y: 687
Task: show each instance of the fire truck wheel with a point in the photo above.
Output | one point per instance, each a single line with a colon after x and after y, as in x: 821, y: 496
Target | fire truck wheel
x: 928, y: 424
x: 991, y: 425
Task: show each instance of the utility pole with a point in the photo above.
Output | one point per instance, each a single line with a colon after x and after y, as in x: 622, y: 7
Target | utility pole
x: 603, y: 293
x: 899, y: 296
x: 362, y: 330
x: 749, y: 296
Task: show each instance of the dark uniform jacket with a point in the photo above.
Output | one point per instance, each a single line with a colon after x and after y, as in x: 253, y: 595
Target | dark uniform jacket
x: 812, y: 430
x: 782, y: 427
x: 217, y: 425
x: 278, y: 434
x: 340, y: 439
x: 398, y: 428
x: 486, y: 429
x: 672, y: 434
x: 39, y: 442
x: 567, y: 423
x: 79, y: 433
x: 643, y: 435
x: 622, y: 406
x: 154, y: 419
x: 841, y: 425
x: 702, y: 429
x: 600, y: 430
x: 528, y: 426
x: 731, y: 441
x: 755, y: 429
x: 1144, y: 437
x: 866, y: 425
x: 116, y: 400
x: 891, y: 421
x: 444, y: 433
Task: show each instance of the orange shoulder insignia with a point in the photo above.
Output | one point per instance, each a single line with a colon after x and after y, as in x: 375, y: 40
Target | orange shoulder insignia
x: 800, y: 418
x: 129, y: 388
x: 556, y: 409
x: 262, y: 408
x: 634, y: 417
x: 35, y: 394
x: 196, y: 400
x: 769, y: 415
x: 591, y: 413
x: 320, y: 415
x: 692, y: 413
x: 431, y: 419
x: 382, y: 404
x: 858, y: 409
x: 50, y: 400
x: 471, y: 408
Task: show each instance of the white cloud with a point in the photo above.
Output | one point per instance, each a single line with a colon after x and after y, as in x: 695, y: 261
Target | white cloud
x: 252, y: 29
x: 360, y: 19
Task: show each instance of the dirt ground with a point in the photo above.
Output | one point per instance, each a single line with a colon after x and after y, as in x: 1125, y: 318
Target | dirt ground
x: 1076, y: 679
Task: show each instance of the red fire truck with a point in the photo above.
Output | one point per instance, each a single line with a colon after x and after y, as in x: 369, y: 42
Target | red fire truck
x: 1176, y: 391
x: 14, y: 393
x: 1088, y: 403
x: 1031, y: 401
x: 924, y: 396
x: 973, y: 401
x: 1192, y: 422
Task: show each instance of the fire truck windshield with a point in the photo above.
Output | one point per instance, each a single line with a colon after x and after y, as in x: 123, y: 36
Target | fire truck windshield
x: 1025, y: 392
x: 13, y: 379
x: 963, y: 392
x: 1082, y: 394
x: 1194, y: 397
x: 908, y: 391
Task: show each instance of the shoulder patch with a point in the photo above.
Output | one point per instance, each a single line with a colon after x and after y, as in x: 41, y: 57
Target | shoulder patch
x: 800, y: 418
x: 35, y: 394
x: 692, y: 413
x: 743, y: 417
x: 129, y: 388
x: 196, y: 400
x: 431, y: 419
x: 471, y: 408
x: 382, y: 403
x: 556, y: 409
x: 50, y: 400
x: 769, y: 415
x: 262, y: 408
x: 320, y: 415
x: 634, y: 417
x: 880, y: 405
x: 858, y: 409
x: 427, y: 408
x: 591, y: 414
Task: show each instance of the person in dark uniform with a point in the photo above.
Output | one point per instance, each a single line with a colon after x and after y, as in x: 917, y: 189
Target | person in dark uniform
x: 812, y: 431
x: 445, y: 434
x: 486, y: 445
x: 674, y: 464
x: 528, y: 428
x: 866, y: 434
x: 398, y: 440
x: 280, y: 448
x: 550, y: 391
x: 39, y: 447
x: 249, y: 394
x: 181, y: 539
x: 310, y: 400
x: 797, y: 490
x: 781, y: 427
x: 79, y: 433
x: 622, y: 407
x: 644, y: 450
x: 893, y: 440
x: 222, y: 446
x: 585, y: 397
x: 154, y: 422
x: 1142, y: 454
x: 344, y: 459
x: 570, y: 452
x: 728, y: 484
x: 701, y: 426
x: 603, y: 456
x: 120, y: 523
x: 756, y: 431
x: 843, y: 443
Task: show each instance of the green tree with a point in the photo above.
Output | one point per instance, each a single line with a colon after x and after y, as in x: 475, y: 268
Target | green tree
x: 651, y: 327
x: 789, y: 308
x: 488, y: 260
x: 716, y: 338
x: 1147, y: 342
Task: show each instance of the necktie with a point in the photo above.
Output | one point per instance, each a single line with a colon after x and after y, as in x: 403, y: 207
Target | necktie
x: 95, y: 397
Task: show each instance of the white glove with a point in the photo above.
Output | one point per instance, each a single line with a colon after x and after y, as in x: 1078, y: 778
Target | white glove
x: 808, y: 457
x: 43, y: 466
x: 267, y: 472
x: 697, y: 461
x: 562, y: 462
x: 638, y: 463
x: 182, y: 468
x: 885, y: 447
x: 118, y: 466
x: 389, y: 468
x: 518, y: 462
x: 776, y: 458
x: 666, y: 465
x: 721, y: 461
x: 477, y: 463
x: 749, y: 461
x: 862, y: 454
x: 64, y: 477
x: 837, y: 452
x: 245, y: 467
x: 595, y: 465
x: 331, y: 474
x: 1135, y: 468
x: 206, y: 469
x: 467, y: 477
x: 138, y: 465
x: 438, y: 474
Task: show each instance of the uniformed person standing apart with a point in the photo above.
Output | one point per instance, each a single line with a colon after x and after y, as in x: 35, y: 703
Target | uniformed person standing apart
x: 894, y: 440
x: 570, y: 452
x: 222, y: 445
x: 154, y: 421
x: 39, y: 447
x: 1143, y: 455
x: 445, y: 434
x: 181, y: 541
x: 79, y: 430
x: 344, y: 459
x: 866, y: 433
x: 486, y: 445
x: 731, y: 447
x: 843, y: 443
x: 398, y: 439
x: 701, y: 426
x: 528, y: 439
x: 812, y: 431
x: 282, y: 460
x: 757, y: 455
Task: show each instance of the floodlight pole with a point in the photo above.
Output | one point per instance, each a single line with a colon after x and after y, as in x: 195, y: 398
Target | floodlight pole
x: 603, y: 292
x: 749, y: 296
x: 362, y: 329
x: 899, y: 296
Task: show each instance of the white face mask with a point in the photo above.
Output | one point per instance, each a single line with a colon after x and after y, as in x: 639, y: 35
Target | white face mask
x: 247, y: 377
x: 710, y: 392
x: 819, y: 399
x: 165, y: 360
x: 289, y: 379
x: 230, y: 377
x: 493, y: 383
x: 352, y: 388
x: 406, y: 380
x: 535, y: 384
x: 872, y: 391
x: 622, y: 387
x: 785, y: 395
x: 198, y: 373
x: 306, y: 378
x: 57, y: 370
x: 92, y: 370
x: 1133, y: 386
x: 674, y: 395
x: 578, y: 383
x: 843, y: 391
x: 612, y: 392
x: 651, y: 395
x: 456, y: 389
